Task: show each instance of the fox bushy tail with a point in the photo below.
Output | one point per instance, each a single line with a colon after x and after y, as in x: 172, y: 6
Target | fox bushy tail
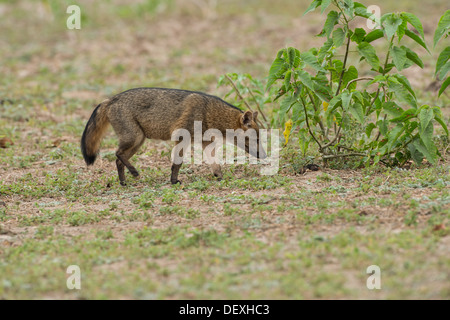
x: 94, y: 132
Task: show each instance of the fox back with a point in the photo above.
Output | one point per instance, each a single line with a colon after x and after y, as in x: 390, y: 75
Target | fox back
x: 160, y: 111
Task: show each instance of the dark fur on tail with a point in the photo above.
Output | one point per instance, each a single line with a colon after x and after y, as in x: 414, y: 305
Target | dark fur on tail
x: 93, y: 133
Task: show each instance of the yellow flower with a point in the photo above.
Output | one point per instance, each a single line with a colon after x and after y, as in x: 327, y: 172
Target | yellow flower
x: 325, y: 105
x: 287, y: 130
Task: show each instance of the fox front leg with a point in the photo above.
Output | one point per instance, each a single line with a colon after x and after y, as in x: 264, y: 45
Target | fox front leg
x: 177, y: 161
x: 121, y: 172
x: 174, y: 175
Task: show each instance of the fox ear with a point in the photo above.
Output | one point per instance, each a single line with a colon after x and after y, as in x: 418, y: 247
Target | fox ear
x: 255, y: 115
x: 246, y: 119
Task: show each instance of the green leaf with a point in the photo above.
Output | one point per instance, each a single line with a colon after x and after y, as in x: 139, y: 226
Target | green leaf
x: 407, y: 114
x: 349, y: 75
x: 369, y: 129
x: 276, y: 71
x: 322, y: 92
x: 442, y: 123
x: 359, y: 5
x: 338, y: 37
x: 394, y: 134
x: 442, y: 28
x: 361, y: 10
x: 399, y: 57
x: 383, y: 127
x: 444, y: 70
x: 286, y: 104
x: 323, y: 51
x: 331, y: 111
x: 357, y: 112
x: 305, y: 78
x: 426, y: 114
x: 416, y: 155
x: 392, y: 109
x: 402, y: 29
x: 420, y: 146
x: 358, y: 35
x: 427, y: 138
x: 378, y: 79
x: 297, y: 111
x: 405, y: 82
x: 411, y: 55
x: 369, y: 53
x: 442, y: 60
x: 334, y: 103
x: 311, y: 60
x: 414, y: 21
x: 338, y: 65
x: 391, y: 24
x: 346, y: 96
x: 313, y: 6
x: 325, y: 4
x: 402, y: 94
x: 416, y: 38
x: 349, y: 7
x: 293, y: 57
x: 373, y: 35
x: 287, y: 80
x: 444, y: 86
x: 331, y: 21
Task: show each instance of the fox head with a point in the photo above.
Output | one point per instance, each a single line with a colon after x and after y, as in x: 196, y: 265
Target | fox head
x: 250, y: 130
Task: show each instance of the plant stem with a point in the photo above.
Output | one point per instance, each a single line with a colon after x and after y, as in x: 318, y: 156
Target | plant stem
x: 307, y: 124
x: 316, y: 108
x: 345, y: 63
x: 340, y: 9
x: 334, y: 139
x: 358, y: 79
x: 387, y: 55
x: 344, y: 155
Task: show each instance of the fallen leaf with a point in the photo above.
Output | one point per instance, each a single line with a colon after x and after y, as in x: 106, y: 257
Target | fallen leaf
x: 5, y: 142
x: 439, y: 227
x: 56, y: 143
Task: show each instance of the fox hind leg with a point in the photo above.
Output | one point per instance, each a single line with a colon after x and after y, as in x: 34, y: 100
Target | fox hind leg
x: 126, y: 150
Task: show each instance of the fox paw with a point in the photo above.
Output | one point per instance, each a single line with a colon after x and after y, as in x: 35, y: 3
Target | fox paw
x: 135, y: 173
x: 175, y: 181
